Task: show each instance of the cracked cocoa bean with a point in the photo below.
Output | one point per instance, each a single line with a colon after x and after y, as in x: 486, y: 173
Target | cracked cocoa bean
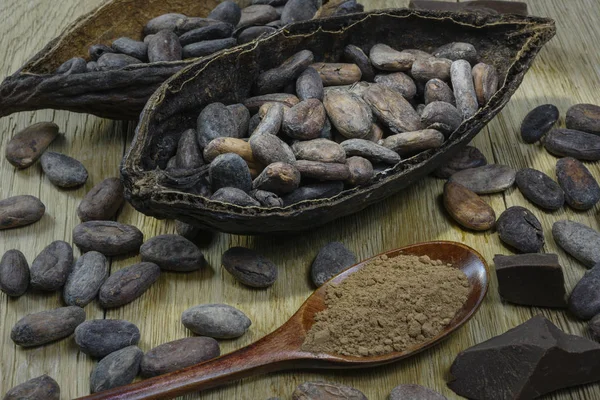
x: 520, y: 229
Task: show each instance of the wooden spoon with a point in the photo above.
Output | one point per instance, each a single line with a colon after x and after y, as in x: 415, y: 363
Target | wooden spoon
x: 281, y: 349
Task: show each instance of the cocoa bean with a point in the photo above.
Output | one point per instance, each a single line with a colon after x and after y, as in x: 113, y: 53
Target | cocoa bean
x: 467, y: 157
x: 207, y: 47
x: 225, y: 145
x: 103, y: 201
x: 278, y: 178
x: 313, y: 192
x: 488, y: 179
x: 46, y: 326
x: 594, y: 327
x: 437, y: 90
x: 485, y: 80
x: 392, y: 109
x: 230, y: 170
x: 219, y: 321
x: 96, y: 51
x: 581, y: 189
x: 355, y: 55
x: 519, y: 228
x: 399, y: 82
x: 40, y: 388
x: 188, y: 231
x: 254, y: 32
x: 178, y: 354
x: 385, y: 58
x: 172, y: 253
x: 116, y: 369
x: 299, y: 10
x: 464, y: 89
x: 75, y: 65
x: 361, y: 171
x: 457, y: 51
x: 28, y: 145
x: 164, y: 46
x: 191, y: 23
x: 116, y: 61
x: 249, y: 267
x: 14, y: 273
x: 286, y: 99
x: 584, y: 301
x: 234, y: 196
x: 467, y: 208
x: 371, y: 151
x: 323, y: 171
x: 349, y: 113
x: 337, y: 74
x: 267, y: 199
x: 189, y: 155
x: 272, y: 118
x: 376, y: 134
x: 63, y: 171
x: 220, y: 30
x: 215, y: 120
x: 441, y: 116
x: 227, y: 11
x: 572, y: 143
x: 578, y: 240
x: 163, y: 22
x: 101, y: 337
x: 540, y: 189
x: 538, y: 122
x: 410, y: 143
x: 107, y: 237
x: 257, y: 15
x: 332, y: 259
x: 305, y: 120
x: 127, y: 284
x: 321, y: 150
x: 268, y: 149
x: 241, y: 118
x: 50, y: 269
x: 274, y: 80
x: 84, y: 282
x: 19, y: 211
x: 425, y: 69
x: 131, y: 47
x: 584, y: 117
x: 309, y: 85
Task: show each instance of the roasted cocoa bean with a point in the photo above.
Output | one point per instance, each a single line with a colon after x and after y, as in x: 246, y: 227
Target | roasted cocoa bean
x: 410, y: 143
x: 572, y: 143
x: 326, y: 391
x: 485, y: 80
x: 305, y: 120
x: 19, y: 211
x: 309, y: 85
x: 189, y: 155
x: 75, y: 65
x: 267, y: 199
x: 84, y: 282
x: 360, y: 169
x: 488, y: 179
x: 399, y: 82
x: 230, y: 170
x: 14, y: 273
x: 249, y: 267
x: 467, y: 157
x: 40, y: 388
x: 101, y: 337
x: 46, y: 326
x: 274, y: 80
x: 299, y: 10
x: 227, y: 11
x: 272, y: 118
x: 107, y: 237
x: 225, y: 145
x: 355, y: 55
x: 425, y: 69
x: 538, y: 122
x: 221, y: 30
x: 234, y: 196
x: 96, y: 51
x: 337, y: 74
x: 584, y: 301
x: 581, y: 189
x: 313, y: 192
x: 584, y: 117
x: 393, y: 110
x: 441, y: 116
x: 103, y: 201
x: 323, y: 171
x: 27, y: 146
x: 116, y: 369
x: 131, y: 47
x: 332, y: 259
x: 349, y: 113
x: 50, y: 269
x: 257, y: 15
x: 62, y: 170
x: 369, y: 150
x: 321, y: 150
x: 215, y: 120
x: 172, y: 253
x: 178, y: 354
x: 580, y: 241
x: 163, y: 22
x: 207, y: 47
x: 219, y: 321
x: 520, y: 229
x: 467, y: 208
x: 164, y: 46
x: 110, y: 61
x: 457, y: 51
x: 540, y: 189
x: 254, y: 103
x: 268, y: 149
x: 385, y: 58
x: 278, y: 178
x: 254, y: 32
x: 437, y: 90
x: 127, y: 284
x: 464, y: 89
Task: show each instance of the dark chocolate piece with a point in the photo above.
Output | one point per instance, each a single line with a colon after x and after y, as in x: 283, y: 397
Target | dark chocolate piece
x: 526, y: 362
x: 531, y: 279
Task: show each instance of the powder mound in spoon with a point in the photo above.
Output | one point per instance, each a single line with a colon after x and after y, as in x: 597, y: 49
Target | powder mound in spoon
x: 392, y: 304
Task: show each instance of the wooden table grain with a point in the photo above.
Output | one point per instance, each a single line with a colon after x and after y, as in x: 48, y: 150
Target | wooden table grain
x: 567, y: 71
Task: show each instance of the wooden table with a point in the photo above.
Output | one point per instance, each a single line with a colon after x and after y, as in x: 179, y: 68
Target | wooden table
x: 567, y: 71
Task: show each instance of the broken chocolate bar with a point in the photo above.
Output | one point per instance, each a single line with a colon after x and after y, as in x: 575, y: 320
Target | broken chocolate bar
x: 486, y: 6
x: 526, y: 362
x: 531, y: 279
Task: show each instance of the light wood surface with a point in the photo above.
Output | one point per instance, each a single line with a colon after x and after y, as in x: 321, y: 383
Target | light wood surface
x: 566, y: 72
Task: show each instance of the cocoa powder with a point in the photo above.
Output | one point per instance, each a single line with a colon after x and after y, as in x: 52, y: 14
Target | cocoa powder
x: 392, y: 304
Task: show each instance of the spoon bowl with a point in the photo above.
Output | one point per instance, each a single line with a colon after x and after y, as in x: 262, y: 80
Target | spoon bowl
x: 282, y: 349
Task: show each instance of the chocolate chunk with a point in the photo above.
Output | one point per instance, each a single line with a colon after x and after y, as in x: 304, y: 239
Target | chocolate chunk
x: 584, y: 301
x: 249, y: 267
x: 332, y: 259
x: 28, y: 145
x: 465, y: 158
x: 40, y: 388
x: 537, y: 358
x: 572, y: 143
x: 488, y: 179
x: 580, y: 241
x: 414, y: 392
x: 62, y: 170
x: 540, y: 189
x: 50, y: 269
x: 581, y: 189
x: 46, y: 326
x: 467, y: 208
x: 519, y: 228
x: 14, y: 273
x: 100, y: 337
x: 116, y: 369
x: 531, y: 279
x: 538, y: 122
x: 326, y: 391
x: 169, y: 357
x: 584, y: 117
x: 219, y: 321
x: 313, y: 192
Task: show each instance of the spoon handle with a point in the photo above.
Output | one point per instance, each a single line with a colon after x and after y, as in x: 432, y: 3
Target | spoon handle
x: 271, y: 353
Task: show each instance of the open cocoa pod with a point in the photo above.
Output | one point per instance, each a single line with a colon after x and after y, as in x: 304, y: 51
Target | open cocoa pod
x: 508, y: 42
x: 117, y: 94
